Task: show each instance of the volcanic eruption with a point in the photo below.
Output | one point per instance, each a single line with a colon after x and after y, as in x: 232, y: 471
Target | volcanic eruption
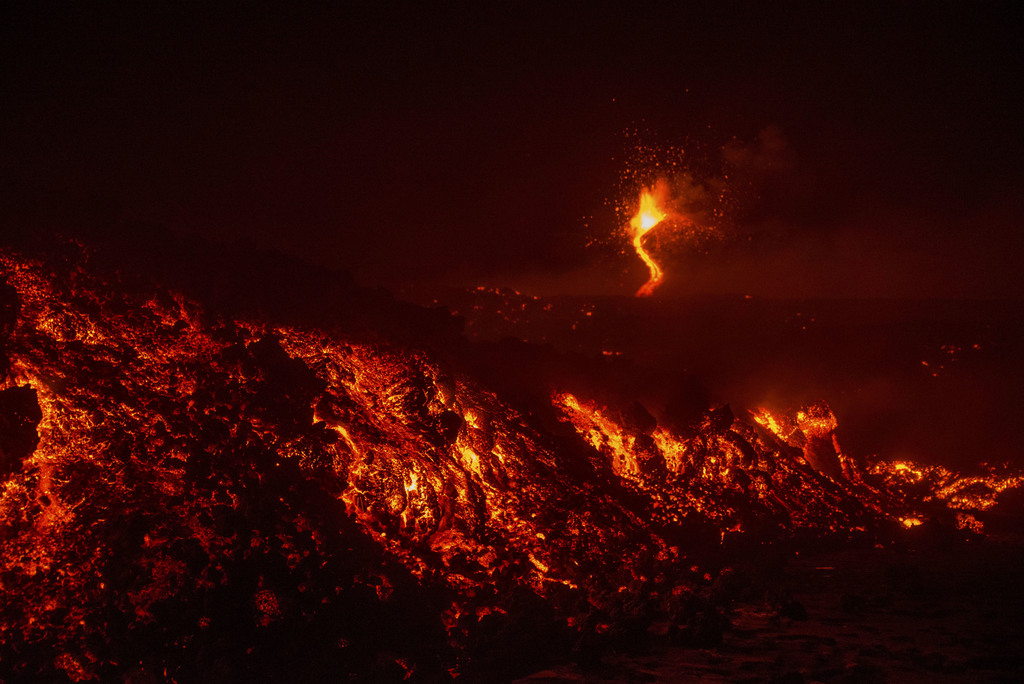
x: 648, y: 216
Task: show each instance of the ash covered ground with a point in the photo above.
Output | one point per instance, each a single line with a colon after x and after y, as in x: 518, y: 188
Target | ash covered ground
x: 910, y: 613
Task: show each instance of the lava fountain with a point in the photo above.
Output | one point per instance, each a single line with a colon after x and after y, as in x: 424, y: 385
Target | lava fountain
x: 649, y: 215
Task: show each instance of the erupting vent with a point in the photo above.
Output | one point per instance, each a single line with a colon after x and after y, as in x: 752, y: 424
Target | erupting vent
x: 648, y: 216
x: 186, y: 495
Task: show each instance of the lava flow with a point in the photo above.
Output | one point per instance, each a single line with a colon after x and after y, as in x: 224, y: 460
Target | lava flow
x: 191, y: 496
x: 649, y: 215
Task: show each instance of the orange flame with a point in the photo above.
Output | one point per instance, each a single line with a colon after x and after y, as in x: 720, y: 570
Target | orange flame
x: 649, y: 215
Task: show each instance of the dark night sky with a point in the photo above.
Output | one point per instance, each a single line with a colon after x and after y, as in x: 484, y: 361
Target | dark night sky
x: 405, y: 142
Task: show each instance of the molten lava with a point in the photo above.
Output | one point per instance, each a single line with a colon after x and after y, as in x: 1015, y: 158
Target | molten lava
x: 649, y: 215
x: 183, y: 493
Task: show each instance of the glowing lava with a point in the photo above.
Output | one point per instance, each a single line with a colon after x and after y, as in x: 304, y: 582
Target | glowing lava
x: 649, y: 215
x: 178, y: 488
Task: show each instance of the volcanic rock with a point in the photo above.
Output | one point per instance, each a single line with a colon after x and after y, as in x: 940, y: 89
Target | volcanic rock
x: 638, y: 418
x: 241, y: 499
x: 8, y: 318
x: 19, y: 416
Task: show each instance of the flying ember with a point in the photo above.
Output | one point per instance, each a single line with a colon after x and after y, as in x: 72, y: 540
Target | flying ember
x: 649, y: 215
